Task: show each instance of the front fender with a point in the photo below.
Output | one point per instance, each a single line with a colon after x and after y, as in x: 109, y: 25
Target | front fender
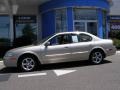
x: 29, y: 52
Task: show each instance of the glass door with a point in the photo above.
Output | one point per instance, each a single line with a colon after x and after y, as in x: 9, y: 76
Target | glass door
x: 86, y: 26
x: 79, y: 26
x: 92, y: 27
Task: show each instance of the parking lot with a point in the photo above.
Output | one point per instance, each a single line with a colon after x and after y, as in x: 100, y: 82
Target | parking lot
x: 66, y: 76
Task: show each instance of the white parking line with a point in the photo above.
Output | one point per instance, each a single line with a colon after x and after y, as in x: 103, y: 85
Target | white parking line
x: 32, y: 75
x: 118, y: 52
x: 63, y: 72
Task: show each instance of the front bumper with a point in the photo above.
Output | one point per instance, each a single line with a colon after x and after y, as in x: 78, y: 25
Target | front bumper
x: 10, y: 61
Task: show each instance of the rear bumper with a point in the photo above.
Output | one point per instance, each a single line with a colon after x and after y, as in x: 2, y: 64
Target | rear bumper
x: 111, y: 51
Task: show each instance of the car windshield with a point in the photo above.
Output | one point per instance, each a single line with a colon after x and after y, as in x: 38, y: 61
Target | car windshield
x: 41, y: 41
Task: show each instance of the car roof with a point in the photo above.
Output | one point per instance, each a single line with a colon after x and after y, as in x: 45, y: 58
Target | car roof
x: 74, y: 32
x: 79, y: 32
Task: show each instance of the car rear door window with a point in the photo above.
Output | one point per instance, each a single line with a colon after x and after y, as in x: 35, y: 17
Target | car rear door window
x: 84, y: 38
x: 74, y: 38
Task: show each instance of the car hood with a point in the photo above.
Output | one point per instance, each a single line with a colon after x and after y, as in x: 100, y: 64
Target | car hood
x: 24, y: 48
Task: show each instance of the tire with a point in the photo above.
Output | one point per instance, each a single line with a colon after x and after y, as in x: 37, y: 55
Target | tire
x: 27, y: 63
x: 97, y: 57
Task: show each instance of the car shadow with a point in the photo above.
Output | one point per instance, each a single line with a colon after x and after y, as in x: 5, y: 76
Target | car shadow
x: 8, y: 70
x: 54, y: 66
x: 70, y: 65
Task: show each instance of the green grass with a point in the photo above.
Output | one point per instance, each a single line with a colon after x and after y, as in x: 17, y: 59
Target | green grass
x: 116, y: 42
x: 1, y: 59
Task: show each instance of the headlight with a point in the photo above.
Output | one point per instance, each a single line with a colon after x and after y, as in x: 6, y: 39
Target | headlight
x: 9, y: 54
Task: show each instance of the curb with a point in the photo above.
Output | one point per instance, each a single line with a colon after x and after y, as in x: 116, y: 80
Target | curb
x: 1, y: 61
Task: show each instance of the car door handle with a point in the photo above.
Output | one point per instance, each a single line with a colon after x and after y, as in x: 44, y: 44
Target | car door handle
x: 66, y: 47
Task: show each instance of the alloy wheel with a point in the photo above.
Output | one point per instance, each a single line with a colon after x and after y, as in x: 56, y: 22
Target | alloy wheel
x: 28, y: 64
x: 97, y: 57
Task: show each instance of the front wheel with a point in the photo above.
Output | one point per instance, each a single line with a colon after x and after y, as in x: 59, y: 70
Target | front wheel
x: 96, y: 57
x: 27, y: 64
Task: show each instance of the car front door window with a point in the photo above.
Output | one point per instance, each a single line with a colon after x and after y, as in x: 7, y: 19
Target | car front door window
x: 60, y: 40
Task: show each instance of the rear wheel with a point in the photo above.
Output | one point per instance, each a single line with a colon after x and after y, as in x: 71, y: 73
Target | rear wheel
x: 27, y: 63
x: 96, y: 57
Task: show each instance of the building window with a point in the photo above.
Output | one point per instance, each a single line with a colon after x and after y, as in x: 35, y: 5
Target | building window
x: 104, y: 24
x: 61, y: 20
x: 25, y: 30
x: 85, y: 20
x: 4, y: 31
x: 85, y: 14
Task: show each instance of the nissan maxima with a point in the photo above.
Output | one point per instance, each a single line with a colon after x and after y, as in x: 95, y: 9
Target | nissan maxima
x: 61, y: 47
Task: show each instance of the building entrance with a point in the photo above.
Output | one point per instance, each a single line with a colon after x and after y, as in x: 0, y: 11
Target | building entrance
x: 86, y: 26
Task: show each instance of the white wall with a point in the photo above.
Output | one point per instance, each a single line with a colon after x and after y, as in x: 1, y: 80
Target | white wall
x: 115, y: 8
x: 27, y: 10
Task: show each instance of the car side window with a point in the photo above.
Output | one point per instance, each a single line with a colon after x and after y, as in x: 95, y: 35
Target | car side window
x: 54, y: 41
x: 60, y: 39
x: 64, y: 39
x: 84, y: 38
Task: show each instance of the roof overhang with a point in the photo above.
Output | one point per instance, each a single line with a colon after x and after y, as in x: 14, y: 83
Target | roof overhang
x: 110, y: 1
x: 12, y: 6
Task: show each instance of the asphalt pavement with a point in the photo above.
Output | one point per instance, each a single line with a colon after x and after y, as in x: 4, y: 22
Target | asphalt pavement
x: 66, y: 76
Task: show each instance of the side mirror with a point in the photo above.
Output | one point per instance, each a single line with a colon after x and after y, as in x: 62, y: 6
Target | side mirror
x: 47, y: 44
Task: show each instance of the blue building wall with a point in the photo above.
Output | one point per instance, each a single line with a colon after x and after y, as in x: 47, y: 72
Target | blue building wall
x: 100, y: 27
x: 70, y: 3
x: 70, y: 18
x: 48, y: 14
x: 48, y: 23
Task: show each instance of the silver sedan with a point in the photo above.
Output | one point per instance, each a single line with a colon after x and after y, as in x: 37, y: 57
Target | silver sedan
x: 61, y: 47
